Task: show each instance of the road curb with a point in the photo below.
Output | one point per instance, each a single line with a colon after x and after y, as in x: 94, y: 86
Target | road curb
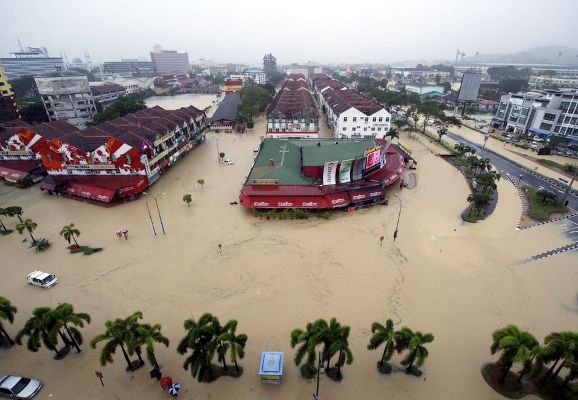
x: 561, y: 249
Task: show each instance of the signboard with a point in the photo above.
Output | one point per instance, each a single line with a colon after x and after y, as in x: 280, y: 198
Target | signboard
x: 372, y: 157
x: 17, y: 153
x: 90, y: 166
x: 329, y: 172
x: 357, y: 171
x: 470, y: 87
x: 264, y: 181
x: 345, y: 171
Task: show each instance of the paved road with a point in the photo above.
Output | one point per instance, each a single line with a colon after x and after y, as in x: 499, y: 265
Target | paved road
x: 518, y: 172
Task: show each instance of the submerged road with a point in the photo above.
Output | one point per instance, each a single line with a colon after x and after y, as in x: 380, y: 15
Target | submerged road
x: 520, y: 173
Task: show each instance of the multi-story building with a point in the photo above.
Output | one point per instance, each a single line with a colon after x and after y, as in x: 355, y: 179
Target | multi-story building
x: 31, y: 61
x: 129, y: 68
x: 5, y: 88
x: 548, y: 81
x: 134, y: 85
x: 416, y: 73
x: 349, y: 113
x: 552, y: 113
x: 255, y: 75
x: 269, y: 64
x: 66, y: 96
x: 293, y: 112
x: 106, y: 93
x: 425, y: 90
x: 170, y: 62
x: 233, y: 86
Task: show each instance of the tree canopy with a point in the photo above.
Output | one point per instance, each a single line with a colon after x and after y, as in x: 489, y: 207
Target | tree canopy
x: 123, y: 106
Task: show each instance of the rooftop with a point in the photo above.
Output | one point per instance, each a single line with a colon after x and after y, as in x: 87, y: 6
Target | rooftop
x: 227, y: 109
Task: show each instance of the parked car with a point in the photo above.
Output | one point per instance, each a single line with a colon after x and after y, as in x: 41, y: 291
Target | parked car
x: 228, y: 161
x: 42, y: 279
x: 479, y: 126
x: 19, y: 387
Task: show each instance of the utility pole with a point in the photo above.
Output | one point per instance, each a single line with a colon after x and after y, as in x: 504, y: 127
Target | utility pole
x: 569, y: 187
x: 218, y: 151
x: 151, y: 218
x: 398, y: 216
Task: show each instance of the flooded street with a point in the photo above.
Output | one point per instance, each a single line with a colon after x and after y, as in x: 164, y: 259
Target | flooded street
x: 459, y: 282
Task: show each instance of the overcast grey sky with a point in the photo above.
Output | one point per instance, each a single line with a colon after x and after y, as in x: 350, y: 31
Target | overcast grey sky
x: 352, y: 31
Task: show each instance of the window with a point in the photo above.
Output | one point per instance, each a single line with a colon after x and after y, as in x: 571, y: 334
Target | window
x: 549, y: 117
x: 344, y: 119
x: 545, y: 126
x: 354, y: 119
x: 374, y: 119
x: 525, y: 111
x: 365, y: 129
x: 380, y: 119
x: 379, y: 128
x: 386, y: 119
x: 372, y: 128
x: 344, y: 129
x: 557, y: 129
x: 353, y: 129
x: 366, y: 119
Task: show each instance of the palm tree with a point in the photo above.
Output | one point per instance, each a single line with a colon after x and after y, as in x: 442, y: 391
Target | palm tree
x: 233, y: 342
x: 202, y: 181
x: 70, y: 232
x: 308, y: 340
x: 400, y: 123
x: 37, y: 329
x: 443, y: 130
x: 65, y: 318
x: 14, y: 211
x: 340, y: 346
x: 4, y: 214
x: 222, y: 155
x: 29, y: 225
x: 199, y: 338
x: 187, y: 198
x: 7, y: 312
x: 414, y: 342
x: 393, y: 134
x: 383, y: 334
x: 515, y: 346
x: 147, y: 335
x: 559, y: 346
x: 118, y: 333
x: 330, y: 334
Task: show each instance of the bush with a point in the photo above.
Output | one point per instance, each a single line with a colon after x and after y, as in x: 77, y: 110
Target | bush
x: 41, y: 245
x: 300, y: 213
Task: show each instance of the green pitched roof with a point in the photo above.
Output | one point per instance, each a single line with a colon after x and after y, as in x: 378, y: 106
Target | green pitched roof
x: 282, y: 159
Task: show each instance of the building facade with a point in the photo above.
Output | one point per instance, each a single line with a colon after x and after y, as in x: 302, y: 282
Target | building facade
x: 424, y: 90
x: 129, y: 68
x: 30, y: 61
x: 548, y: 81
x: 349, y: 113
x: 233, y: 86
x: 293, y: 112
x: 66, y: 95
x: 169, y: 62
x: 269, y: 64
x: 107, y: 93
x: 5, y: 88
x: 255, y: 75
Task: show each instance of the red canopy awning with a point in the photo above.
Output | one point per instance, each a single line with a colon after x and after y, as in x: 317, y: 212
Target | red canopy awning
x: 12, y: 174
x: 366, y: 194
x: 90, y: 192
x: 137, y: 187
x: 340, y: 199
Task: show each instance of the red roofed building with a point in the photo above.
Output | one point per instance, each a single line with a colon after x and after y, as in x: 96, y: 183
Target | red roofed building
x: 233, y: 86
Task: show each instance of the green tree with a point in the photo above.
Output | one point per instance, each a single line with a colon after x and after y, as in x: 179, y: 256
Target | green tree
x: 383, y: 334
x: 233, y: 342
x: 70, y: 232
x: 33, y: 112
x: 147, y: 335
x: 307, y: 340
x: 413, y: 115
x: 118, y: 333
x: 200, y: 340
x: 202, y: 181
x: 4, y: 214
x: 37, y: 328
x: 7, y: 312
x: 442, y: 131
x: 339, y: 344
x: 514, y: 345
x: 559, y: 346
x: 14, y: 211
x: 187, y: 198
x: 222, y: 155
x: 430, y: 110
x: 414, y: 343
x: 393, y: 134
x: 478, y: 199
x: 27, y: 225
x: 123, y: 106
x: 64, y: 317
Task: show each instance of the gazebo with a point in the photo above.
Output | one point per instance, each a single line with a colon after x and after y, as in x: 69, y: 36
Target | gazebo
x: 271, y: 369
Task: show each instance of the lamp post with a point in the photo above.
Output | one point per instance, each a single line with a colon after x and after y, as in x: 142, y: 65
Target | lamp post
x: 318, y: 371
x: 158, y: 210
x: 151, y: 218
x: 218, y: 151
x: 398, y: 215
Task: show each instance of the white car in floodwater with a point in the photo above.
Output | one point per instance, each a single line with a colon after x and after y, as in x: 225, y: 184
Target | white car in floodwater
x: 42, y: 279
x: 19, y: 387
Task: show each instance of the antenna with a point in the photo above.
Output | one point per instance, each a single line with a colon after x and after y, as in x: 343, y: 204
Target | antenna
x: 20, y: 44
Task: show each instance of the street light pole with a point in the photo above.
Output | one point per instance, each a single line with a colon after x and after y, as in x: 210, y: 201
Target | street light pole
x: 158, y: 210
x: 151, y: 218
x: 398, y: 216
x: 569, y: 187
x: 218, y: 151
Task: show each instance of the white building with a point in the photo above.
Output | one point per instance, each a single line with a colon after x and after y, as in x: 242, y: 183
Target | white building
x: 134, y: 85
x: 255, y: 75
x: 541, y: 81
x: 424, y: 90
x: 66, y: 96
x: 349, y: 113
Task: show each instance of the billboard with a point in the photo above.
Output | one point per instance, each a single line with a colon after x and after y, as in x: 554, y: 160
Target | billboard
x: 345, y: 171
x: 329, y: 172
x: 470, y: 87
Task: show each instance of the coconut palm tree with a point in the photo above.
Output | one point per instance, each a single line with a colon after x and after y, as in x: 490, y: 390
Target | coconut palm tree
x: 308, y: 339
x: 28, y: 225
x: 234, y: 343
x: 7, y: 312
x: 118, y: 333
x: 222, y: 155
x: 443, y: 130
x: 414, y: 343
x: 383, y: 334
x: 70, y: 232
x: 559, y: 346
x: 147, y: 335
x: 515, y: 346
x: 37, y: 328
x: 331, y: 333
x: 4, y: 214
x: 340, y: 346
x: 15, y: 211
x: 393, y: 134
x: 65, y: 318
x: 200, y: 339
x: 187, y: 198
x: 201, y: 182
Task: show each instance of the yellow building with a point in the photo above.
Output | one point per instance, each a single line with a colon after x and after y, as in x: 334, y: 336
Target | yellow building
x: 5, y: 88
x: 233, y: 86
